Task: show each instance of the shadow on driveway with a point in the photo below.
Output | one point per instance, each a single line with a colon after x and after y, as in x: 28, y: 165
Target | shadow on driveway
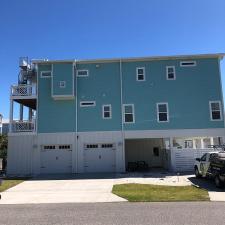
x: 206, y: 184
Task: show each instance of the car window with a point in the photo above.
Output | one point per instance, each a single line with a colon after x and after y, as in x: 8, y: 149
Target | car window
x: 203, y: 157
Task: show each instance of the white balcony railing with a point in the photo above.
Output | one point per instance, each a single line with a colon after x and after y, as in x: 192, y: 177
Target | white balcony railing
x: 22, y: 126
x: 24, y: 90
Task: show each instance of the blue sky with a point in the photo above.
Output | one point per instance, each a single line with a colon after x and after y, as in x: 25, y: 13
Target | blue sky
x: 103, y: 29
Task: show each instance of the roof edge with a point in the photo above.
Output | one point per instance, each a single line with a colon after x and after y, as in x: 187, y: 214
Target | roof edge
x: 127, y: 59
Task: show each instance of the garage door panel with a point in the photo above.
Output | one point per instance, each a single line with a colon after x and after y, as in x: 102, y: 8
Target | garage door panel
x: 56, y: 161
x: 99, y: 159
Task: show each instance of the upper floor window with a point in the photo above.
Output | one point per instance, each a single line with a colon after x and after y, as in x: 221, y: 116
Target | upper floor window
x: 82, y: 73
x: 128, y: 110
x: 162, y: 112
x: 187, y: 63
x: 62, y: 84
x: 87, y: 103
x: 140, y: 73
x: 170, y: 73
x: 45, y: 74
x: 106, y: 112
x: 215, y: 110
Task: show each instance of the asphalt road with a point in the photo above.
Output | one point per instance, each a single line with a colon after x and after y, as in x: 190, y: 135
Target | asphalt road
x: 205, y: 213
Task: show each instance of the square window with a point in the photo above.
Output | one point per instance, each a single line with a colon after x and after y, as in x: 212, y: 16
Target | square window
x: 62, y: 84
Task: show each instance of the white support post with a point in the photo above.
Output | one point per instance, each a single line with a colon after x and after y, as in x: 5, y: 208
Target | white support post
x: 11, y: 116
x: 211, y: 141
x: 30, y: 114
x: 21, y: 112
x: 202, y: 143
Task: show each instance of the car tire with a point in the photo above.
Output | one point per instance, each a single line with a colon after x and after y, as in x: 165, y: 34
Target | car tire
x: 218, y: 182
x: 197, y: 174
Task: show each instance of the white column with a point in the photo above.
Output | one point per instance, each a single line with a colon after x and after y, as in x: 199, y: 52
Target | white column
x: 10, y: 115
x: 211, y: 141
x: 30, y: 114
x: 202, y: 143
x: 21, y: 112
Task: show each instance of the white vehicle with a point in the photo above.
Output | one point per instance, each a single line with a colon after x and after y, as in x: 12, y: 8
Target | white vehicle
x: 211, y: 165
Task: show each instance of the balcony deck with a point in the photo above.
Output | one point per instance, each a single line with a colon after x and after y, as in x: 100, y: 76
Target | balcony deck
x: 22, y: 126
x: 25, y: 94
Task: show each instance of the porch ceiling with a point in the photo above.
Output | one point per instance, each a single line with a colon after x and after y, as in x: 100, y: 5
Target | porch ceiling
x: 31, y: 103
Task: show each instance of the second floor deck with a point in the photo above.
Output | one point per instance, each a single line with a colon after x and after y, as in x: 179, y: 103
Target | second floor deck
x: 24, y: 91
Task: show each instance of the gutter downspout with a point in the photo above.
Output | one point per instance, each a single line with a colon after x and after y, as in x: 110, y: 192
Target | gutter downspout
x: 122, y: 125
x: 76, y: 120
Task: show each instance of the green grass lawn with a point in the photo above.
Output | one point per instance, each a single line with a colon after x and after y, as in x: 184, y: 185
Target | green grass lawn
x: 159, y: 193
x: 8, y: 183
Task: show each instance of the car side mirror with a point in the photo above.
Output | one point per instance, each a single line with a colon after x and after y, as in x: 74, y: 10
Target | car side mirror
x: 197, y: 159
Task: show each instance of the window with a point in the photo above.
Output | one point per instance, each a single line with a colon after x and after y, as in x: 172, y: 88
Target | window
x: 107, y: 145
x: 48, y: 147
x: 156, y: 151
x: 82, y: 73
x: 68, y: 147
x: 45, y: 74
x: 187, y: 63
x: 140, y: 74
x: 215, y: 110
x: 62, y: 84
x: 204, y: 157
x: 162, y: 111
x: 87, y: 103
x: 106, y: 111
x: 88, y: 146
x: 170, y: 73
x: 128, y: 113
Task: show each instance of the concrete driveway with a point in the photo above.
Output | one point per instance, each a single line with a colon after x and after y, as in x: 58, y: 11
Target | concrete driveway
x: 63, y: 189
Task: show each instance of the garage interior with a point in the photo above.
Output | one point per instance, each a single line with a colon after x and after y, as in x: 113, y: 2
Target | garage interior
x: 144, y: 154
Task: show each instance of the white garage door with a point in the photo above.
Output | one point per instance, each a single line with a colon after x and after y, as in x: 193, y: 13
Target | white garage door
x: 56, y: 159
x: 99, y: 158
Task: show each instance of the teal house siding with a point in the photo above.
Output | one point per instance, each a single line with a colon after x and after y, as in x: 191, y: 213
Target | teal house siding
x: 63, y: 73
x: 187, y: 96
x: 102, y: 86
x: 53, y: 115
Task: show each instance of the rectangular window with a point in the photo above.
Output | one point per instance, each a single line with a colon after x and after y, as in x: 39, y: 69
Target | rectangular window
x: 162, y: 112
x: 91, y: 146
x: 170, y: 73
x: 48, y: 147
x: 45, y: 74
x: 140, y: 73
x: 82, y: 73
x: 67, y: 147
x: 62, y: 84
x: 215, y: 110
x: 128, y: 110
x: 106, y: 111
x: 187, y: 63
x: 107, y: 145
x: 87, y: 103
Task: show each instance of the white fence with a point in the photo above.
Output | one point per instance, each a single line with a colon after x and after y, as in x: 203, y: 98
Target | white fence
x: 23, y: 126
x: 23, y: 90
x: 184, y: 159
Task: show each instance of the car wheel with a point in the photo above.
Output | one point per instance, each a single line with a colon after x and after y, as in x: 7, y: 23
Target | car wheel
x: 218, y: 182
x: 197, y: 174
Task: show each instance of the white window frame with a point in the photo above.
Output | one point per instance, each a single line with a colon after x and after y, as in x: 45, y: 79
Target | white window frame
x: 46, y: 71
x: 157, y: 108
x: 210, y: 109
x: 133, y: 112
x: 82, y: 71
x: 62, y: 84
x: 167, y: 72
x: 137, y: 68
x: 110, y: 111
x: 194, y: 63
x: 93, y: 103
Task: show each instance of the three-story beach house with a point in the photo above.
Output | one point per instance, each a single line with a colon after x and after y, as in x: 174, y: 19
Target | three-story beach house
x: 104, y: 115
